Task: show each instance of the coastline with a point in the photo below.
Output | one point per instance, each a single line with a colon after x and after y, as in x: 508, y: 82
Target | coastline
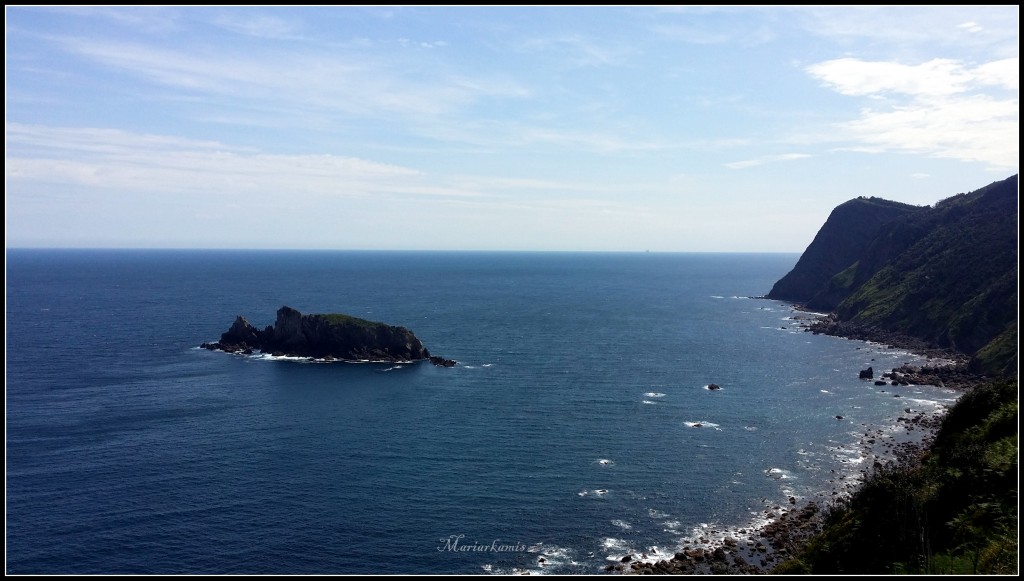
x: 784, y: 530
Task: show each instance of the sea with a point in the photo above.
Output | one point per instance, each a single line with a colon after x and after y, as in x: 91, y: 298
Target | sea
x: 578, y: 426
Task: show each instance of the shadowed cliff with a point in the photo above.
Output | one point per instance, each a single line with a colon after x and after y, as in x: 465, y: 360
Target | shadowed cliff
x: 946, y: 274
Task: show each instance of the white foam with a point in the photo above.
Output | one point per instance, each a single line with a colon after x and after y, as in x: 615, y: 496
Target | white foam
x: 653, y: 394
x: 717, y: 297
x: 703, y: 424
x: 649, y: 402
x: 622, y: 524
x: 612, y: 543
x: 604, y: 462
x: 552, y: 554
x: 926, y: 403
x: 824, y: 391
x: 778, y: 474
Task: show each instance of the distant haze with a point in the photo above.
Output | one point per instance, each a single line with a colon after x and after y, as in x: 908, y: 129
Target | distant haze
x: 494, y: 128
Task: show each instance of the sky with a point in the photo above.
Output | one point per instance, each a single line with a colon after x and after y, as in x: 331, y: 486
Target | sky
x: 686, y: 129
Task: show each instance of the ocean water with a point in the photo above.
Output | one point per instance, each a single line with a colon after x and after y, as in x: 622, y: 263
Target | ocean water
x: 576, y: 428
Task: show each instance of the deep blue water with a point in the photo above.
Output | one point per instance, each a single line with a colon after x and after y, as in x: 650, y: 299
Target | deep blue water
x: 568, y: 431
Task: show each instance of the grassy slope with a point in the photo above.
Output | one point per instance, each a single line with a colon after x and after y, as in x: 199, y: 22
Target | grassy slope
x: 956, y: 512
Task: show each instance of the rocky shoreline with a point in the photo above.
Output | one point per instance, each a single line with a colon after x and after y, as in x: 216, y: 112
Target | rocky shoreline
x: 756, y: 550
x: 949, y: 368
x: 745, y: 550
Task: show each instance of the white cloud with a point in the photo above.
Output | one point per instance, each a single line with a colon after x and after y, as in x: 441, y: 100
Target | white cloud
x: 1004, y: 72
x: 971, y: 27
x: 851, y: 76
x: 938, y: 108
x: 766, y: 159
x: 973, y: 129
x: 909, y: 25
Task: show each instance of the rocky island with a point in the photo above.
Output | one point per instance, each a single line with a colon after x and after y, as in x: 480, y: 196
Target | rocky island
x: 328, y: 337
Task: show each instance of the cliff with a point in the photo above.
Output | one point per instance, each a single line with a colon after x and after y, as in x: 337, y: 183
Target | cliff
x: 944, y: 275
x: 325, y: 336
x: 849, y: 231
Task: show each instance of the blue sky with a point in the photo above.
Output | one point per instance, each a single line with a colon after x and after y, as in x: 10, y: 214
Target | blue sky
x: 494, y: 128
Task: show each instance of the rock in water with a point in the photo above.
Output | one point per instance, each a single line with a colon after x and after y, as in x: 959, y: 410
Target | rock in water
x: 326, y: 336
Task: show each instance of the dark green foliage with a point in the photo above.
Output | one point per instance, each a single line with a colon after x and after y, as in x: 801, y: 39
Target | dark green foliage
x: 945, y: 275
x: 956, y: 286
x: 849, y: 229
x: 955, y: 512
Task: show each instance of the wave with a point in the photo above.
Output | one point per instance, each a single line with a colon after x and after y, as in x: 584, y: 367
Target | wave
x: 779, y: 474
x: 260, y: 356
x: 653, y: 394
x: 622, y: 524
x: 604, y: 462
x: 654, y: 513
x: 703, y: 424
x: 649, y: 402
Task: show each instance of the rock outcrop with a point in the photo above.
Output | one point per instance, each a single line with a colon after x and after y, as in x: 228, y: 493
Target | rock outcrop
x: 328, y: 337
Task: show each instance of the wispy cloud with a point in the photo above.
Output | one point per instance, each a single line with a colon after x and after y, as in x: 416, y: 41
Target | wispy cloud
x: 972, y: 129
x: 576, y: 50
x: 971, y: 26
x: 357, y: 85
x: 718, y: 25
x: 938, y: 108
x: 767, y: 159
x: 259, y: 25
x: 114, y: 160
x: 906, y: 25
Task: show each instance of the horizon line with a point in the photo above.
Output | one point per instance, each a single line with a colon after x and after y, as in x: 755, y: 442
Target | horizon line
x: 396, y: 250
